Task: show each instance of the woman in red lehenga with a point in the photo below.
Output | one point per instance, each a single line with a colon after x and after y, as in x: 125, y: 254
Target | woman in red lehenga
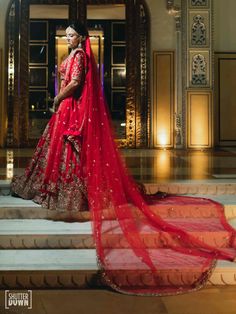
x: 54, y: 177
x: 145, y: 245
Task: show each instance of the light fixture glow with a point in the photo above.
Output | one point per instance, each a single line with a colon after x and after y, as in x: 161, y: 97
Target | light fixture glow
x: 10, y: 164
x: 162, y: 139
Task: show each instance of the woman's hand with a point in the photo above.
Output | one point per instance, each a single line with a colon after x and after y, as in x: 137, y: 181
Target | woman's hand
x: 56, y: 103
x: 67, y: 91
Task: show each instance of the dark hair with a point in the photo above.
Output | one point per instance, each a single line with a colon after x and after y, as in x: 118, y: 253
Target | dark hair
x: 79, y: 28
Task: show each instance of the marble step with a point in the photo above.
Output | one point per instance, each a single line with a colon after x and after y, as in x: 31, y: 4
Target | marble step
x: 5, y: 187
x: 206, y: 187
x: 17, y: 208
x: 46, y: 234
x: 194, y: 187
x: 38, y: 269
x: 41, y: 233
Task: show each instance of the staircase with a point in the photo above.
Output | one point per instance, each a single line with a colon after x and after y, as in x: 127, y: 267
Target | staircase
x: 36, y: 253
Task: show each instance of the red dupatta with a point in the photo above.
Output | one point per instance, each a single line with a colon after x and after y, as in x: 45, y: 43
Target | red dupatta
x: 144, y: 245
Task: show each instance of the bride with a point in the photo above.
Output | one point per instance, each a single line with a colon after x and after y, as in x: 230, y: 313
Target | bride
x: 145, y: 245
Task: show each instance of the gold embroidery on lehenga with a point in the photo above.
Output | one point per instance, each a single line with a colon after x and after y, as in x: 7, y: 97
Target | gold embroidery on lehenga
x: 67, y: 194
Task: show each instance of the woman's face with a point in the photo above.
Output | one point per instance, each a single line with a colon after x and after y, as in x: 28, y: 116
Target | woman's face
x: 72, y: 37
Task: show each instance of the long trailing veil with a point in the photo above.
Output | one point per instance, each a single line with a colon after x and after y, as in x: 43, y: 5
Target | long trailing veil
x: 144, y: 245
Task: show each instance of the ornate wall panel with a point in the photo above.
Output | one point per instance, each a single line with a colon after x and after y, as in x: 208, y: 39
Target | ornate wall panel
x: 199, y: 24
x: 199, y: 3
x: 199, y: 46
x: 163, y: 98
x: 199, y: 74
x: 198, y: 52
x: 199, y: 118
x: 225, y: 109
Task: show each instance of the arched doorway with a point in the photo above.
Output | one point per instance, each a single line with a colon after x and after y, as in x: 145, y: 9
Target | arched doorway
x: 137, y: 101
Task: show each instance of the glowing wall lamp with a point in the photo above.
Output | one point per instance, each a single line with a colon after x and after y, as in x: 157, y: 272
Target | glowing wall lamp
x: 162, y: 139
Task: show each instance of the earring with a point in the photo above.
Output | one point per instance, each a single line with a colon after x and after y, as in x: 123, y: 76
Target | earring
x: 79, y: 45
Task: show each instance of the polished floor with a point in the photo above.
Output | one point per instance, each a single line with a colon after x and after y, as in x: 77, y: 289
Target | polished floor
x: 211, y: 300
x: 150, y: 166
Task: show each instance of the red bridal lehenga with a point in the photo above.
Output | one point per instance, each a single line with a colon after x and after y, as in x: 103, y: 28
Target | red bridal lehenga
x: 145, y: 245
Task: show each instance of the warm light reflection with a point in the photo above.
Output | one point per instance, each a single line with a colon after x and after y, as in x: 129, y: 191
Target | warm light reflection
x: 200, y: 163
x: 162, y: 165
x: 10, y: 164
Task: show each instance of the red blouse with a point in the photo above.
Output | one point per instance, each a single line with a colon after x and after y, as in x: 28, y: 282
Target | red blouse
x: 72, y: 68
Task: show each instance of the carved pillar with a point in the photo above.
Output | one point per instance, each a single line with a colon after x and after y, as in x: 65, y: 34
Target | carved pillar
x: 184, y: 69
x: 175, y: 10
x: 130, y: 74
x: 142, y: 95
x: 137, y: 59
x: 13, y: 78
x: 23, y: 103
x: 145, y: 69
x: 178, y: 136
